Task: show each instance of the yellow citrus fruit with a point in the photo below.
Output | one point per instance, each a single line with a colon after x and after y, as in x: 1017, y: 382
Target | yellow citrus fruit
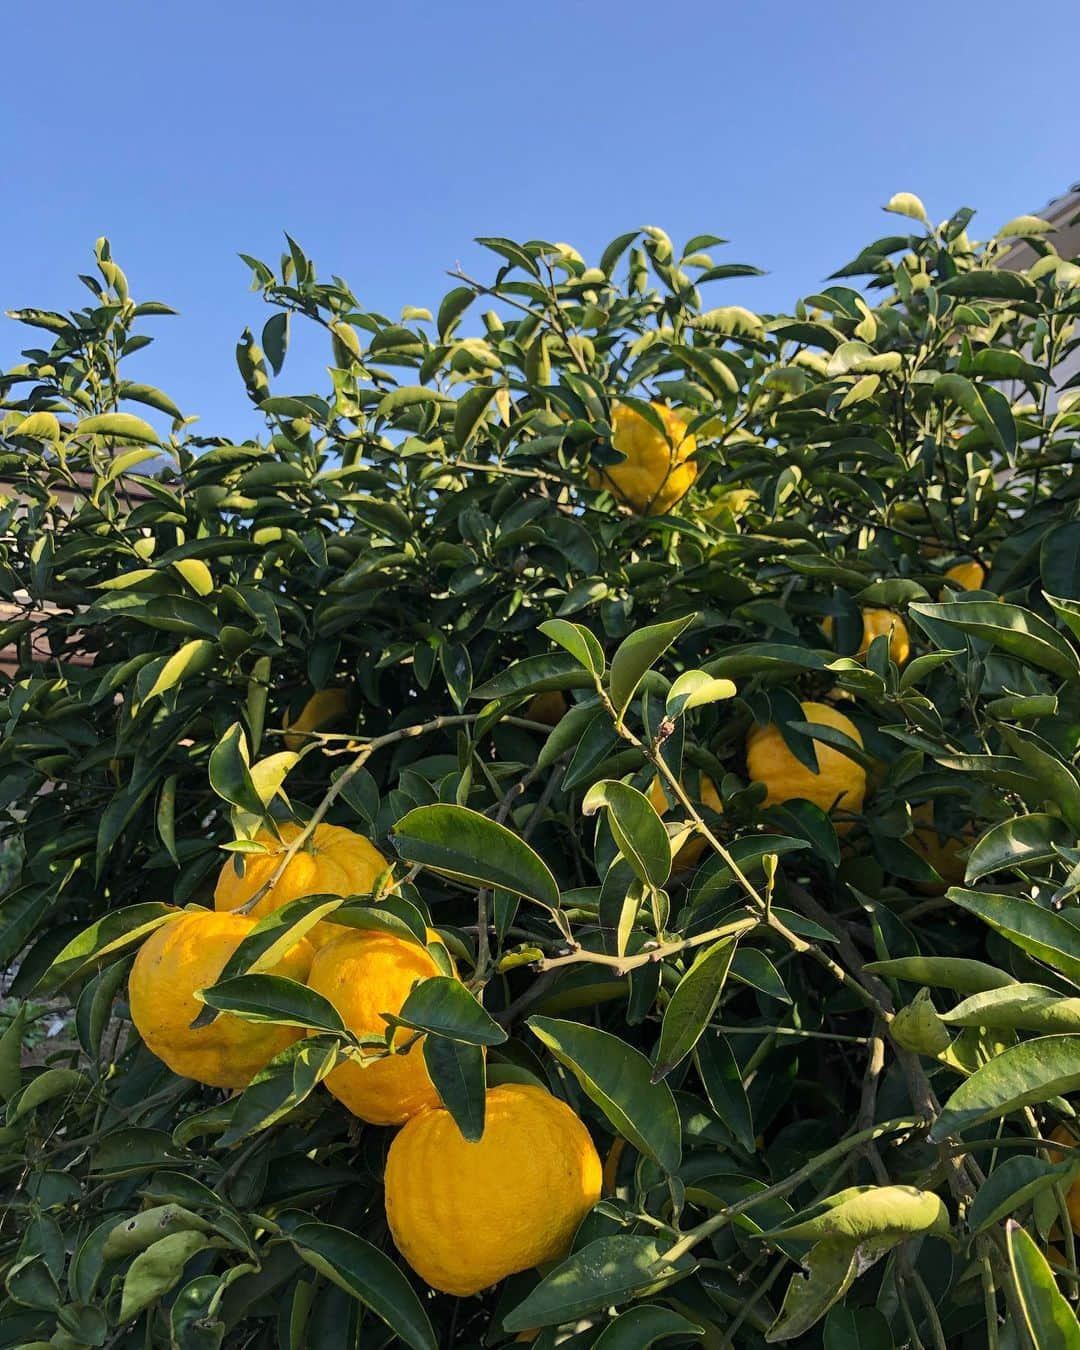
x: 467, y: 1215
x: 188, y: 953
x: 321, y: 710
x: 839, y: 782
x: 334, y: 861
x: 966, y: 576
x: 549, y: 708
x: 658, y: 470
x: 365, y: 974
x: 1061, y: 1134
x: 695, y: 846
x: 945, y: 855
x: 876, y: 623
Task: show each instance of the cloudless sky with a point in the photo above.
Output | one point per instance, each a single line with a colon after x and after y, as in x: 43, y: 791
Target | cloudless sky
x: 385, y: 136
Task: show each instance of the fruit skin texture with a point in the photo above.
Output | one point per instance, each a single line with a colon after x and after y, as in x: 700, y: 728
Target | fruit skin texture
x: 945, y: 856
x: 695, y: 846
x: 1061, y: 1134
x: 840, y: 780
x: 322, y: 710
x: 654, y: 475
x: 549, y: 708
x: 466, y: 1215
x: 364, y: 974
x: 876, y: 623
x: 187, y: 953
x: 968, y: 576
x: 335, y: 861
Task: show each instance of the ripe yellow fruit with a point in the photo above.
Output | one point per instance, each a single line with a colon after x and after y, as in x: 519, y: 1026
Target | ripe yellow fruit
x: 549, y: 708
x: 187, y: 953
x: 877, y: 623
x: 967, y: 576
x: 1061, y: 1134
x: 839, y: 782
x: 321, y: 710
x: 465, y: 1216
x: 658, y: 471
x: 334, y: 861
x: 365, y: 974
x: 945, y: 855
x: 695, y: 846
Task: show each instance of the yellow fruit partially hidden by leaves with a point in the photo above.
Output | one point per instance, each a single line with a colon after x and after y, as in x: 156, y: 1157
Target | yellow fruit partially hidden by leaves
x: 840, y: 783
x: 945, y: 855
x: 966, y: 576
x: 549, y: 708
x: 365, y: 974
x: 658, y: 471
x: 321, y: 711
x: 334, y: 861
x: 188, y: 953
x: 465, y: 1216
x: 879, y: 623
x: 695, y: 846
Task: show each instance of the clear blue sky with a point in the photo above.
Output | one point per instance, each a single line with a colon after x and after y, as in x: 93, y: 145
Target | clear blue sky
x: 384, y: 137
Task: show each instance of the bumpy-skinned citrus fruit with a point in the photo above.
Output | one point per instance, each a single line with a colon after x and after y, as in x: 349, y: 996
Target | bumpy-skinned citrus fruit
x: 334, y: 861
x: 365, y: 974
x: 945, y: 854
x: 322, y: 710
x: 658, y: 469
x: 1061, y: 1134
x: 966, y: 576
x: 695, y: 846
x: 550, y: 707
x: 840, y: 783
x: 467, y: 1215
x: 878, y: 623
x: 188, y: 953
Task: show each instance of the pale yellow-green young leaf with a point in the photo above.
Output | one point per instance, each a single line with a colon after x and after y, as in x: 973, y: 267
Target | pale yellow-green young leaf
x: 196, y: 573
x: 907, y: 204
x: 1024, y: 225
x: 42, y: 426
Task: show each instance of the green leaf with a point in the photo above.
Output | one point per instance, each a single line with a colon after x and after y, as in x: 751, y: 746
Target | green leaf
x: 454, y: 304
x: 470, y: 411
x: 582, y: 644
x: 907, y: 204
x: 618, y: 1079
x: 1015, y: 630
x: 694, y: 689
x: 1022, y: 1075
x: 469, y: 847
x: 861, y: 1213
x: 1039, y: 932
x: 157, y: 1269
x: 721, y: 1078
x: 751, y: 966
x: 230, y: 776
x: 1050, y: 1320
x: 638, y: 830
x: 637, y: 654
x: 987, y: 407
x: 848, y: 1328
x: 275, y: 340
x: 536, y: 675
x: 958, y: 973
x: 643, y: 1326
x: 831, y: 1267
x: 1018, y: 1007
x: 277, y: 933
x: 11, y: 1054
x: 107, y: 937
x: 46, y: 1087
x: 602, y: 1274
x: 280, y: 1086
x: 118, y: 426
x: 443, y: 1006
x: 457, y: 1070
x: 1021, y: 842
x: 191, y: 659
x: 273, y: 998
x: 127, y: 1237
x: 1013, y: 1183
x: 692, y: 1005
x: 370, y: 1277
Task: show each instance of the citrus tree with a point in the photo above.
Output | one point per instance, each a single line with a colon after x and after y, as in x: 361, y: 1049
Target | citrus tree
x: 569, y: 834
